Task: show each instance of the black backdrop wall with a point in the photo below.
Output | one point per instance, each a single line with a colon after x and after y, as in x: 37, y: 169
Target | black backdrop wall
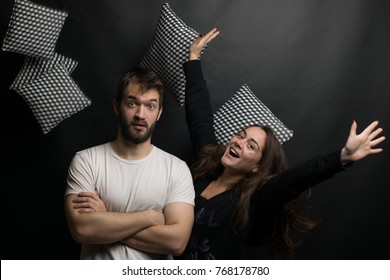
x: 317, y: 65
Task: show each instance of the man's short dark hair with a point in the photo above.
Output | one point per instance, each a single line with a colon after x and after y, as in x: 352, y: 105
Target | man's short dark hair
x: 146, y: 78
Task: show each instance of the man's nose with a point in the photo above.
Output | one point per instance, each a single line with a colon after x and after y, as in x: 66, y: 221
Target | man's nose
x: 140, y: 113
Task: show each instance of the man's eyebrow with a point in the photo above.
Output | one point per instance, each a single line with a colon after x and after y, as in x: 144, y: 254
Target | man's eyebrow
x: 135, y: 98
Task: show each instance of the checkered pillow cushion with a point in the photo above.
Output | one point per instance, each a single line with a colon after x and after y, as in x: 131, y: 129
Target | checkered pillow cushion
x: 169, y: 50
x: 244, y: 109
x: 34, y: 67
x: 33, y: 29
x: 53, y: 97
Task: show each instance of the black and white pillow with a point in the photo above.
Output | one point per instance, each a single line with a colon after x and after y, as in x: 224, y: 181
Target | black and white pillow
x: 33, y: 29
x: 34, y: 67
x: 169, y: 50
x: 244, y: 109
x: 53, y: 97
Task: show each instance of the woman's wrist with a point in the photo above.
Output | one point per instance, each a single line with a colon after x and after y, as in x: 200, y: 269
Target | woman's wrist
x: 193, y: 56
x: 345, y: 157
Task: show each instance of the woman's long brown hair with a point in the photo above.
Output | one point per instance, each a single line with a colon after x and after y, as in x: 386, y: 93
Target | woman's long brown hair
x: 282, y: 243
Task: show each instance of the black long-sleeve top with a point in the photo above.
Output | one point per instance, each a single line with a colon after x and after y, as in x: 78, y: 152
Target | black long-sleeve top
x: 212, y: 235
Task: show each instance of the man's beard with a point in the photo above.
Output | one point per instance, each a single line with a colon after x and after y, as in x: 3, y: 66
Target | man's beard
x: 135, y: 137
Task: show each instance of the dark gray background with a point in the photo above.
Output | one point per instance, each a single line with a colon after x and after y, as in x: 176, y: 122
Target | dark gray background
x: 317, y: 65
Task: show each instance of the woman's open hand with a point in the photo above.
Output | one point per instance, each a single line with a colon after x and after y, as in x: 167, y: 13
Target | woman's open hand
x: 200, y: 42
x: 359, y: 146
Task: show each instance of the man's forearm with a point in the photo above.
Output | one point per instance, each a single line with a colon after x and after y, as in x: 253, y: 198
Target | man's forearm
x: 170, y: 238
x: 108, y: 227
x: 163, y: 239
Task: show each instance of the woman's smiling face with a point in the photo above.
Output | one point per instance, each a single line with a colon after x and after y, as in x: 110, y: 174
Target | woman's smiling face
x: 244, y: 150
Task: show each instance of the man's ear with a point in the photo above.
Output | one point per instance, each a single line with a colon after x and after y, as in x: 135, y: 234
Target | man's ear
x: 160, y: 112
x: 115, y: 105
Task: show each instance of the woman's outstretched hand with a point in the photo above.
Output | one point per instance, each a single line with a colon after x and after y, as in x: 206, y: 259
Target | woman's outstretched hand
x: 200, y: 42
x: 359, y: 146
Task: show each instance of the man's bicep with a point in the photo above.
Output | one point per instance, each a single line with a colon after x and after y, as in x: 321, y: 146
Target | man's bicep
x: 69, y: 209
x: 179, y: 213
x: 80, y: 176
x: 72, y: 215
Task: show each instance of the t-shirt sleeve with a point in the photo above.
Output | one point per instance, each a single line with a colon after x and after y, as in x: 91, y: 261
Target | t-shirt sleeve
x: 79, y: 175
x: 181, y: 188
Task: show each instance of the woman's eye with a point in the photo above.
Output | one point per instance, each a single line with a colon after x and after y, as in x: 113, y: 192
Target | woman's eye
x: 151, y: 107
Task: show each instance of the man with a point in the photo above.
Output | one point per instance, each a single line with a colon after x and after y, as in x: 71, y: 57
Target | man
x: 148, y: 194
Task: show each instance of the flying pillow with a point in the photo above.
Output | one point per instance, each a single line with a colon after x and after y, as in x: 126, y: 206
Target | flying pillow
x: 169, y: 50
x: 242, y: 110
x: 53, y: 97
x: 33, y: 29
x: 34, y: 67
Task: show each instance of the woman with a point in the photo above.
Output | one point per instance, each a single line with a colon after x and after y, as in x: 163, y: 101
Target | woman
x: 245, y: 195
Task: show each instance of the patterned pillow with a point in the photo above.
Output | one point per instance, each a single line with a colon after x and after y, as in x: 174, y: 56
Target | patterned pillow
x: 34, y: 67
x: 33, y: 29
x: 53, y: 97
x: 244, y: 109
x: 169, y: 50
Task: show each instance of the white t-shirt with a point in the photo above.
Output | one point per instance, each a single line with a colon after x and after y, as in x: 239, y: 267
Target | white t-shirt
x: 129, y: 185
